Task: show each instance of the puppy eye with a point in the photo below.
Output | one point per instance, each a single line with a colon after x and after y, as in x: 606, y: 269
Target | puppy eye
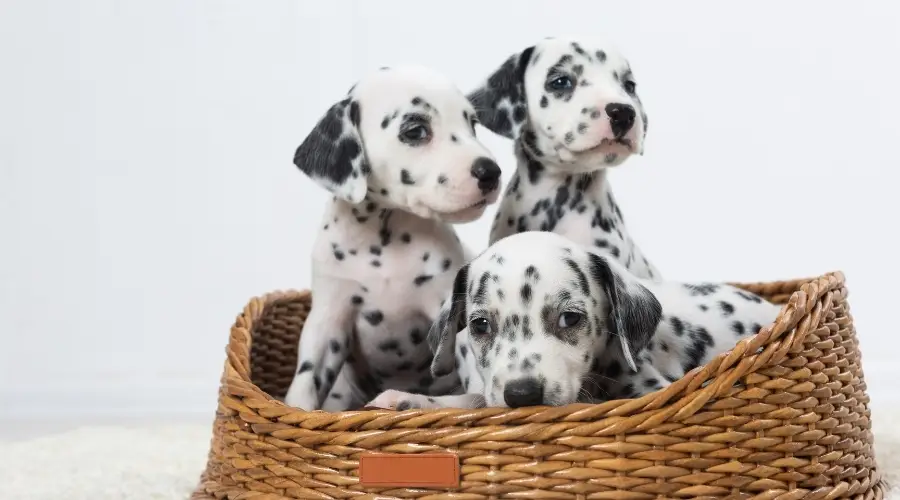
x: 415, y: 134
x: 562, y: 82
x: 630, y: 86
x: 479, y: 326
x: 569, y: 319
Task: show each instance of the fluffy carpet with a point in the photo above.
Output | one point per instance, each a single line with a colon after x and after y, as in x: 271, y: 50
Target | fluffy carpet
x: 164, y: 462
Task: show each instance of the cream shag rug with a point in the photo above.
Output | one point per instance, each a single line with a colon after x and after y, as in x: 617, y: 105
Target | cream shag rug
x: 164, y: 462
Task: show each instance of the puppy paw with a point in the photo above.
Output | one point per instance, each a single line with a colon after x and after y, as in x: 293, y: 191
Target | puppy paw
x: 399, y: 400
x: 301, y: 394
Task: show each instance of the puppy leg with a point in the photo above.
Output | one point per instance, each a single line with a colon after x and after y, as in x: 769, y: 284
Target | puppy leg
x: 323, y: 349
x: 399, y: 400
x: 342, y: 396
x: 650, y: 379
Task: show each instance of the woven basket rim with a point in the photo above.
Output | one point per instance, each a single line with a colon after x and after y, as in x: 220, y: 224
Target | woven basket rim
x: 679, y: 400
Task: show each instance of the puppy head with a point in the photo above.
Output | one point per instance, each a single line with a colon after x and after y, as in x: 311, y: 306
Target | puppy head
x: 573, y: 103
x: 538, y: 319
x: 404, y: 137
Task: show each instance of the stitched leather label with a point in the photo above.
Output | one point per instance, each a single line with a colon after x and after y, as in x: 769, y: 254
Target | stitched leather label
x: 419, y: 470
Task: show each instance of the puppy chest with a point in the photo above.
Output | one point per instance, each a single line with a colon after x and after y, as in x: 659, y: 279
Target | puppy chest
x: 394, y: 349
x: 564, y: 211
x: 595, y: 230
x: 412, y: 266
x: 414, y: 280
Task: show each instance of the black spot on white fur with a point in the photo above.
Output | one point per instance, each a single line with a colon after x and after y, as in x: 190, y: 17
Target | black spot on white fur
x: 526, y: 294
x: 750, y: 297
x: 422, y: 279
x: 726, y: 307
x: 702, y: 289
x: 374, y: 318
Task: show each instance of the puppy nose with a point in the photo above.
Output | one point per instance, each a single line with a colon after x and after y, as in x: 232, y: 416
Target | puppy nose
x: 523, y: 392
x: 487, y: 172
x: 621, y: 118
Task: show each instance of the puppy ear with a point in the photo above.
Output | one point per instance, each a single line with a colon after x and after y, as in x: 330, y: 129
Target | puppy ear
x: 500, y: 101
x: 450, y: 321
x: 634, y: 312
x: 332, y: 154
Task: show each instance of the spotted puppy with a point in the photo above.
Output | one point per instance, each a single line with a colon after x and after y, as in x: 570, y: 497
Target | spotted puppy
x: 560, y: 324
x: 573, y: 110
x: 400, y: 155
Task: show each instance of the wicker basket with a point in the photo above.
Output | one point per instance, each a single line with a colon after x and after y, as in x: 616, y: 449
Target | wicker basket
x: 784, y: 415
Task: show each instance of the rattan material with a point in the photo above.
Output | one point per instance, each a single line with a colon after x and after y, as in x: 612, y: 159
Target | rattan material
x: 783, y: 416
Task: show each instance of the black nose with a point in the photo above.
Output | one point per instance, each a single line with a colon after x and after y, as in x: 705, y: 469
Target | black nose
x: 523, y: 392
x: 621, y: 118
x: 487, y: 172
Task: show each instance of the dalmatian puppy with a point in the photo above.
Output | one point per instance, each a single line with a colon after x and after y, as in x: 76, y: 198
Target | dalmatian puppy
x: 572, y: 108
x: 400, y: 155
x: 559, y: 324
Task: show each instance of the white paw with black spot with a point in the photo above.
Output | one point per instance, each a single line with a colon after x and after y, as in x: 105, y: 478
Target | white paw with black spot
x: 400, y: 401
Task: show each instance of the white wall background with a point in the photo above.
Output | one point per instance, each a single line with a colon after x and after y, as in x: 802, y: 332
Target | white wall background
x: 147, y: 189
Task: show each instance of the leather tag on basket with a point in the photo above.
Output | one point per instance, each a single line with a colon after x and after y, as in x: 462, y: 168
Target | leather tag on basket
x: 415, y: 470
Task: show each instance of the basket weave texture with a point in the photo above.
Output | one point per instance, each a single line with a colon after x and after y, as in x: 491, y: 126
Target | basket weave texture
x: 782, y: 416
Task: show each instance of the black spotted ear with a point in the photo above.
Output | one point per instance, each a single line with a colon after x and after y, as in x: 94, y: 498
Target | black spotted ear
x: 500, y: 102
x: 333, y: 155
x: 450, y: 321
x: 634, y: 312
